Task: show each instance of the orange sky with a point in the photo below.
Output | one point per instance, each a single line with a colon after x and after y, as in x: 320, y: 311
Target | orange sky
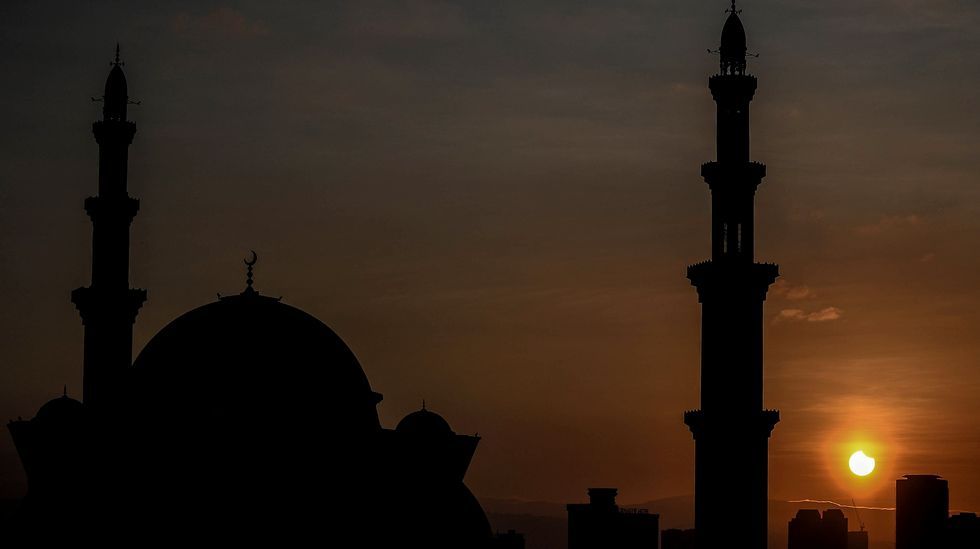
x: 494, y: 207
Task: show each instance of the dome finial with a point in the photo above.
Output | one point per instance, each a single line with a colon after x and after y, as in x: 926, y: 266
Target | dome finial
x: 423, y: 404
x: 250, y: 263
x: 65, y: 391
x: 117, y: 62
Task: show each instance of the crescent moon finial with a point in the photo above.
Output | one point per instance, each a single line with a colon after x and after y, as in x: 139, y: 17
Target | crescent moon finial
x: 248, y: 276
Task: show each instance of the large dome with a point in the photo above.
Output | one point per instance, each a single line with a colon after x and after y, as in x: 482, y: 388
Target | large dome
x: 249, y: 356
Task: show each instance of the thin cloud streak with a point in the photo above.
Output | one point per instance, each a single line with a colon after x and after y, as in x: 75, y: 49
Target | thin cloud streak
x: 841, y: 505
x: 827, y: 314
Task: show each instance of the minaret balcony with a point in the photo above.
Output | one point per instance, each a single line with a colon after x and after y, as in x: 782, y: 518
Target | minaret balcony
x: 748, y: 174
x: 724, y: 279
x: 733, y: 87
x: 701, y: 423
x: 105, y: 207
x: 102, y: 305
x: 114, y: 132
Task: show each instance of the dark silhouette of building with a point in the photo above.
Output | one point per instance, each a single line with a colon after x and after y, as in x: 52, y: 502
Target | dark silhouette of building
x: 601, y: 524
x: 963, y: 531
x: 857, y: 539
x: 244, y: 421
x: 921, y: 511
x: 510, y: 539
x: 808, y: 530
x: 732, y: 428
x: 674, y: 538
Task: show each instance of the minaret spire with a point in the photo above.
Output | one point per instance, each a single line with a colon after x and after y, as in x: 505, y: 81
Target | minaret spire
x: 108, y: 306
x: 733, y: 49
x: 732, y: 428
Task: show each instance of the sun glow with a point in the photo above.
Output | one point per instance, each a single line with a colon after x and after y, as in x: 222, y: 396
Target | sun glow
x: 861, y: 465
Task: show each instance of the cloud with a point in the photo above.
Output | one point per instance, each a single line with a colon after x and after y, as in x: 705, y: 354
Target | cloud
x: 223, y: 21
x: 823, y: 315
x: 798, y: 214
x: 684, y: 88
x: 791, y: 292
x: 412, y: 20
x: 889, y: 223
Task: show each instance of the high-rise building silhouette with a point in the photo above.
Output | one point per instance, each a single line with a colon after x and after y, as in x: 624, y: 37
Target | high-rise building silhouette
x: 245, y: 421
x: 511, y: 539
x: 732, y: 428
x: 921, y: 511
x: 808, y: 530
x: 675, y: 538
x: 857, y: 539
x: 601, y: 524
x: 963, y: 531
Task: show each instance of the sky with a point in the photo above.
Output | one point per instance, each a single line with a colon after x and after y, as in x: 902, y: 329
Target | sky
x: 494, y: 204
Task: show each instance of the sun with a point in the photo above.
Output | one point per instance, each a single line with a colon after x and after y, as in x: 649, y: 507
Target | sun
x: 861, y: 465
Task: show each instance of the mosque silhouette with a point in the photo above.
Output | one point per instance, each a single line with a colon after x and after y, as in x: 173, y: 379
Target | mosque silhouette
x: 248, y: 421
x: 245, y: 420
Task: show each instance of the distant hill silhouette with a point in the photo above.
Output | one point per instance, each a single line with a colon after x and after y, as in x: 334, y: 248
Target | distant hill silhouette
x: 544, y: 523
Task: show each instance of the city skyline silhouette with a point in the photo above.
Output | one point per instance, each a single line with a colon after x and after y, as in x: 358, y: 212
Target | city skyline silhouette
x: 506, y: 282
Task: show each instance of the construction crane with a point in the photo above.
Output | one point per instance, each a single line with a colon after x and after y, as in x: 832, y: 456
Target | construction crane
x: 857, y: 513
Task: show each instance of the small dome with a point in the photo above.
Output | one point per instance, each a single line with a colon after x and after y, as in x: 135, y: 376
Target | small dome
x: 424, y: 423
x: 61, y: 409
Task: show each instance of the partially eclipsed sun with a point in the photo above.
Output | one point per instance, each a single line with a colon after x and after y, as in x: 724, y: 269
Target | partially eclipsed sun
x: 861, y: 464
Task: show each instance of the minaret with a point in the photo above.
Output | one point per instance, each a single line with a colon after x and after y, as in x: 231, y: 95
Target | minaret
x: 109, y: 306
x: 732, y: 428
